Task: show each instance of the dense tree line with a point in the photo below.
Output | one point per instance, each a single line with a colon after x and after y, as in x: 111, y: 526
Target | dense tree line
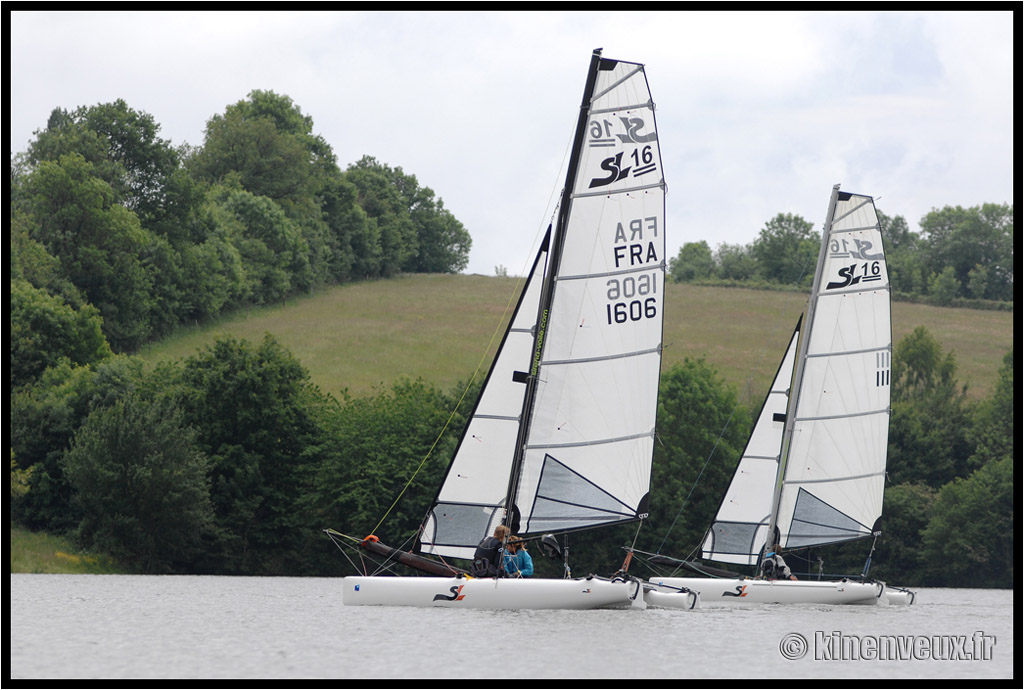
x: 114, y: 231
x: 230, y: 461
x: 961, y: 257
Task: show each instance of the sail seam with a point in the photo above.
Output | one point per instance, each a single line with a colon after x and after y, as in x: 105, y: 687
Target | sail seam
x: 623, y: 272
x: 595, y: 442
x: 583, y: 195
x: 604, y: 358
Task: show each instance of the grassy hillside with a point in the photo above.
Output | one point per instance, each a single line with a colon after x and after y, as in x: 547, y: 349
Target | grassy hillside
x: 443, y: 327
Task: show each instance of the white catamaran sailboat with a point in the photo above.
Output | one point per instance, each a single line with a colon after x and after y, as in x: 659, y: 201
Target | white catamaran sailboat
x: 813, y: 470
x: 561, y: 438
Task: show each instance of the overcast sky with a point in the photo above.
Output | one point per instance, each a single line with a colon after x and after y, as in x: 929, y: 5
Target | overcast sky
x: 758, y: 113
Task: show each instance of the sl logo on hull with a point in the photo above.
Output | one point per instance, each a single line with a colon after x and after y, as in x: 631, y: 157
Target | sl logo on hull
x: 456, y: 595
x: 741, y: 591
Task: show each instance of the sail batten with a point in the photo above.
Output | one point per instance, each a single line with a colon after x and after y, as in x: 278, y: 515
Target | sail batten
x: 835, y: 478
x: 625, y: 190
x: 605, y: 358
x: 864, y: 413
x: 592, y: 442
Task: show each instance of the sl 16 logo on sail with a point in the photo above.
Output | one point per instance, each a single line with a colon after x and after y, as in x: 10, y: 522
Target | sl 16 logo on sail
x: 869, y: 271
x: 640, y: 160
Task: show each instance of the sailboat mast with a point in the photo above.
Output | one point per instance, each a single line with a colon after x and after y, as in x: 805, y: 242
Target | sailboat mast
x: 547, y: 287
x: 798, y: 368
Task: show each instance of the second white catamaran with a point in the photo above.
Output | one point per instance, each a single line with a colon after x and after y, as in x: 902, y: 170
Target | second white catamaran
x: 813, y: 470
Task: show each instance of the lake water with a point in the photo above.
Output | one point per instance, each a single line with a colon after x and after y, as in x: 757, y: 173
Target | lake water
x: 185, y: 627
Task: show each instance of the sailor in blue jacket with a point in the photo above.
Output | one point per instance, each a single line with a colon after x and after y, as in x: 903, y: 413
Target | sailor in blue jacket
x: 518, y: 562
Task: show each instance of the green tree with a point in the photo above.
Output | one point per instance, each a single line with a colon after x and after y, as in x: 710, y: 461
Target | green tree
x: 930, y: 420
x: 45, y: 415
x: 735, y: 262
x: 140, y: 483
x: 964, y: 239
x: 969, y: 540
x: 45, y: 330
x: 377, y: 447
x: 992, y: 430
x: 99, y: 245
x: 902, y: 255
x: 267, y: 144
x: 787, y: 250
x: 353, y: 241
x: 693, y: 262
x: 273, y: 253
x: 416, y: 232
x: 897, y: 558
x: 120, y: 143
x: 943, y: 286
x: 250, y: 407
x: 380, y: 190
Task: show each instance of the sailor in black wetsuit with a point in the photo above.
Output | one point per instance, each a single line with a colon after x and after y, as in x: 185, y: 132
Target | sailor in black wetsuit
x: 488, y: 556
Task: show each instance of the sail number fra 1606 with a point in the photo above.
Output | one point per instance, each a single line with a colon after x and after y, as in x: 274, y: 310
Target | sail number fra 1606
x: 622, y: 307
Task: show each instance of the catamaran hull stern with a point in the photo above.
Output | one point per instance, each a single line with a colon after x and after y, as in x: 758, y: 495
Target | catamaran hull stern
x: 728, y: 592
x: 488, y: 593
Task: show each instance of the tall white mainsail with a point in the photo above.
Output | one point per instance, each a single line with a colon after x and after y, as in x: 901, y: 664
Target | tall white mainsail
x: 576, y: 452
x: 837, y: 427
x: 590, y: 439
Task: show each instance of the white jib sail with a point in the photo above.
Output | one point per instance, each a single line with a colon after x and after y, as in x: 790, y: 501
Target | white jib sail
x: 834, y: 473
x: 741, y: 525
x: 469, y: 501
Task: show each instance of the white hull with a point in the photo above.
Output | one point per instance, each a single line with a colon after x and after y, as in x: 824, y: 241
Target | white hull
x: 662, y: 597
x: 899, y: 597
x: 724, y: 591
x: 490, y: 593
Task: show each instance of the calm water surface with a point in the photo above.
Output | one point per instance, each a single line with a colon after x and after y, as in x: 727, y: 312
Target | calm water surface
x: 119, y: 626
